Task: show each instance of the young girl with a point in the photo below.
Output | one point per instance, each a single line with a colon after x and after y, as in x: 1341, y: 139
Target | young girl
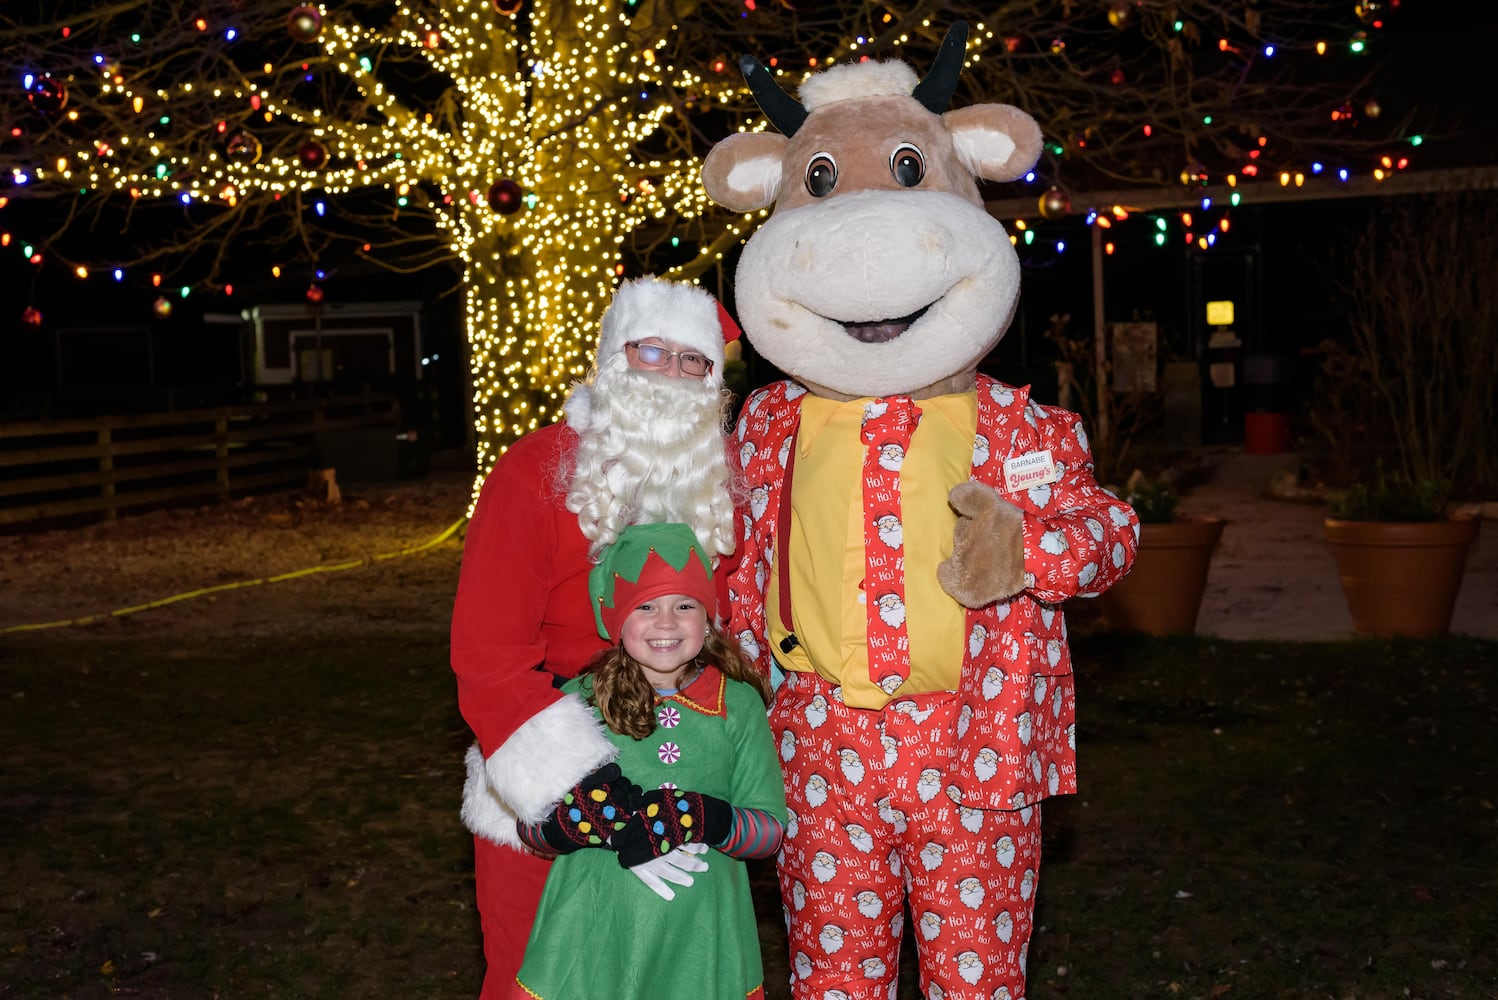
x: 687, y: 712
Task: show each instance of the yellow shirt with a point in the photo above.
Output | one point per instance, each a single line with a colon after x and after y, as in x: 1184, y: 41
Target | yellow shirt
x: 826, y: 553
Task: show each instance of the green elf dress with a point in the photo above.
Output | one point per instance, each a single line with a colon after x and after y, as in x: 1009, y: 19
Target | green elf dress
x: 601, y: 932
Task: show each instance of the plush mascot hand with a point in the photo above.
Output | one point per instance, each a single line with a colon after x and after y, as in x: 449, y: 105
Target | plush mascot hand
x: 593, y: 812
x: 666, y: 818
x: 988, y: 550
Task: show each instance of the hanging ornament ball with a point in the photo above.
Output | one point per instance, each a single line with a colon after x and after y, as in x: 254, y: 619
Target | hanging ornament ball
x: 1373, y: 109
x: 312, y: 155
x: 162, y: 307
x: 1369, y: 10
x: 1058, y: 46
x: 1120, y: 15
x: 1054, y: 204
x: 47, y: 95
x: 31, y: 316
x: 508, y: 6
x: 315, y: 294
x: 1117, y: 78
x: 506, y: 197
x: 241, y: 146
x: 304, y: 23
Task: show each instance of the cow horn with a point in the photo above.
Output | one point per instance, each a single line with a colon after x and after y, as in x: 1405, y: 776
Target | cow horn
x: 783, y: 110
x: 936, y: 89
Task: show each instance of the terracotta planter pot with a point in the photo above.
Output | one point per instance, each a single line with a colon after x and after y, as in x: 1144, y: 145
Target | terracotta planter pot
x: 1163, y: 592
x: 1401, y: 578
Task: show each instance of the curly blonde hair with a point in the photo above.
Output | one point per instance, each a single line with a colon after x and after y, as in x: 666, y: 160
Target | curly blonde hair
x: 626, y: 699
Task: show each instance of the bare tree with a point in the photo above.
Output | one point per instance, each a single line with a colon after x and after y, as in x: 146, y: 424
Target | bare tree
x: 542, y: 149
x: 1408, y: 397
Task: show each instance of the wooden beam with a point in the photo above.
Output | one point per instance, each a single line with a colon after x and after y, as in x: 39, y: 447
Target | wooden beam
x: 1316, y: 188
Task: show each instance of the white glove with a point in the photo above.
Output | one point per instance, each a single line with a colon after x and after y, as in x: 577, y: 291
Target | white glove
x: 675, y: 867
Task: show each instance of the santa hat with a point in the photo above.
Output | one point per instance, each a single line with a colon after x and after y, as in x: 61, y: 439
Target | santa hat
x: 648, y: 561
x: 653, y: 307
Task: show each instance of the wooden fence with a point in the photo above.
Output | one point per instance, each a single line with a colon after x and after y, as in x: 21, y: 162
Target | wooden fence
x: 100, y: 466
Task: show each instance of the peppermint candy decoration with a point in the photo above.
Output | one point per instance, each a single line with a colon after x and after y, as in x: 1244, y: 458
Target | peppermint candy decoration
x: 668, y: 717
x: 669, y: 753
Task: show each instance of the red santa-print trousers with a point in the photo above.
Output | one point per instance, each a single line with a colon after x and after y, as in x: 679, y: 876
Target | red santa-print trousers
x: 871, y: 824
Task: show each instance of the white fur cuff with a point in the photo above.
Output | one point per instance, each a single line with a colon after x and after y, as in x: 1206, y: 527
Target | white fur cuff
x: 528, y: 775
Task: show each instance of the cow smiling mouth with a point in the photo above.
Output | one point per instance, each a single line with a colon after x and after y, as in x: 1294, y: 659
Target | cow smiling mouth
x: 881, y: 331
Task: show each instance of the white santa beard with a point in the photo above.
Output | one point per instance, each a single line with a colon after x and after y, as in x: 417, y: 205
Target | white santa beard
x: 650, y: 450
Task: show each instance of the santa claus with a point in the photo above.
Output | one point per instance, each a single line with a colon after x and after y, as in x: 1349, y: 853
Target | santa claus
x: 642, y: 442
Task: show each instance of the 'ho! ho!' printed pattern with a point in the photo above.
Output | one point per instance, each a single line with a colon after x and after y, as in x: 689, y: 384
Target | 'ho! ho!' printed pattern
x: 1015, y: 728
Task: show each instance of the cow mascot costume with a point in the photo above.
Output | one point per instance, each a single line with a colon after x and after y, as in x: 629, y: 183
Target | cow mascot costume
x: 912, y: 528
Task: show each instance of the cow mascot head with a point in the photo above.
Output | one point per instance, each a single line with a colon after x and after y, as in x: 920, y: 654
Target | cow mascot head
x: 879, y: 271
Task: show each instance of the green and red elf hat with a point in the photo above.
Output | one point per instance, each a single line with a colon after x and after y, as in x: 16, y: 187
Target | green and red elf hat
x: 647, y: 561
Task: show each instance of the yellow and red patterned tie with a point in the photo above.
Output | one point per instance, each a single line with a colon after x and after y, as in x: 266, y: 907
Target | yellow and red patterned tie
x: 888, y: 424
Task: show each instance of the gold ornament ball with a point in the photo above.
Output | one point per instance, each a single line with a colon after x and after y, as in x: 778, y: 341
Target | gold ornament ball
x: 241, y: 146
x: 1373, y: 109
x: 304, y: 23
x: 1120, y: 15
x: 162, y: 307
x: 1054, y: 204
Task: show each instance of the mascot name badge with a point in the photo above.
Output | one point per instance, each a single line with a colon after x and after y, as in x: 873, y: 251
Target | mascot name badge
x: 1022, y: 472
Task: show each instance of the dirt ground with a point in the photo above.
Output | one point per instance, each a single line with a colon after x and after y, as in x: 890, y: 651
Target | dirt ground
x: 1272, y: 576
x: 97, y: 570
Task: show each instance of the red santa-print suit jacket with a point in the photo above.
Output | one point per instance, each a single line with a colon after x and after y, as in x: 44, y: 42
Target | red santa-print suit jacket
x: 1014, y: 727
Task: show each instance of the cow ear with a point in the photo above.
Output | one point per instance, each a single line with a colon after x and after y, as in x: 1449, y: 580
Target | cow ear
x: 997, y: 142
x: 742, y: 173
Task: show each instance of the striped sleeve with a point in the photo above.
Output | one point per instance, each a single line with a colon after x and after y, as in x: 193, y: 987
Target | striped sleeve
x: 756, y: 833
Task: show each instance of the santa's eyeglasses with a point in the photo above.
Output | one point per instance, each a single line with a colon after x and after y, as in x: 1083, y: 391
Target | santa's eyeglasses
x: 656, y: 356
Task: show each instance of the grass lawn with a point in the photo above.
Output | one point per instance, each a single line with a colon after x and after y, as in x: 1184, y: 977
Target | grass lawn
x: 279, y: 818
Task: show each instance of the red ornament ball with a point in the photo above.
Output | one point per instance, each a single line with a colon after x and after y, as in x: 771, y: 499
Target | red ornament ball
x: 304, y: 23
x: 31, y: 316
x: 508, y: 6
x: 1055, y: 204
x: 47, y: 95
x: 241, y: 146
x: 315, y: 294
x: 1117, y: 78
x: 312, y: 155
x: 506, y: 197
x: 162, y: 307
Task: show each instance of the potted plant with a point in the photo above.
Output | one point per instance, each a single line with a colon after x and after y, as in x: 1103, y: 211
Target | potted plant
x: 1406, y: 409
x: 1162, y: 595
x: 1399, y: 555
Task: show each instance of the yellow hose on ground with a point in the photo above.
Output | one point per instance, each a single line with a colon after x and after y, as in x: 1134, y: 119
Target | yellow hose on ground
x: 279, y: 578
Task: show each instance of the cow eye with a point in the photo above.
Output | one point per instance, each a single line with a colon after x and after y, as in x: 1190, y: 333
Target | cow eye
x: 821, y: 175
x: 907, y: 165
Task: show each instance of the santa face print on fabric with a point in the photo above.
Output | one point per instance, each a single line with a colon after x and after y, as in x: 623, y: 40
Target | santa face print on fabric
x: 663, y: 636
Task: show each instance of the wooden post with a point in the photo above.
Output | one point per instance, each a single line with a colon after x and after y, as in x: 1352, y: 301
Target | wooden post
x: 221, y: 452
x: 106, y: 470
x: 1099, y: 338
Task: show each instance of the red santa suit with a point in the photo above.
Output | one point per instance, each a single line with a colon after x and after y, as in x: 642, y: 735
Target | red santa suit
x: 522, y: 622
x: 936, y: 783
x: 522, y: 619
